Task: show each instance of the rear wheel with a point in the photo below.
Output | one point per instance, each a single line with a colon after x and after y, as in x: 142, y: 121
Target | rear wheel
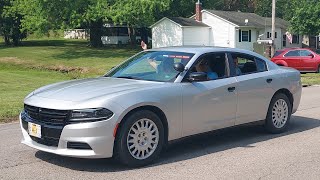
x: 279, y: 114
x: 140, y: 139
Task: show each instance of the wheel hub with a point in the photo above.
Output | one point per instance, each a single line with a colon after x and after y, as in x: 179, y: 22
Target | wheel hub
x: 280, y: 113
x: 142, y: 139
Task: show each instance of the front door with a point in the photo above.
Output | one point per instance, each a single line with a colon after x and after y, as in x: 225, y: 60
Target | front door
x: 308, y: 62
x: 292, y: 58
x: 209, y: 104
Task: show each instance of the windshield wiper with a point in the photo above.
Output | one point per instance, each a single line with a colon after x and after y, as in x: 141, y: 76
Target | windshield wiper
x: 128, y: 77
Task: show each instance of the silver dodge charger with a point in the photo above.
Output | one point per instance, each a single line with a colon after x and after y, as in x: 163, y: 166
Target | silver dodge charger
x: 156, y: 96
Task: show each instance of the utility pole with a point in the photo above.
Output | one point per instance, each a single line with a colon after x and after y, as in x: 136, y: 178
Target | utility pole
x: 273, y: 28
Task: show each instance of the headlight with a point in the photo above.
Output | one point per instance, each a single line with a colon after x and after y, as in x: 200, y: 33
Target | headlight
x: 90, y: 115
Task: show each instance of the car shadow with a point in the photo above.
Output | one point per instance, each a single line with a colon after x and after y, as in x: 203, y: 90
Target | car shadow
x: 189, y: 148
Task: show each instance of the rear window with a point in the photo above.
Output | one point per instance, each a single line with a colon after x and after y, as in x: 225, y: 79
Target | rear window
x: 277, y: 53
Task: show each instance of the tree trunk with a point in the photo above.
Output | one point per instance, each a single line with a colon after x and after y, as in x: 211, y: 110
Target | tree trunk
x: 132, y: 35
x: 96, y: 33
x: 6, y: 40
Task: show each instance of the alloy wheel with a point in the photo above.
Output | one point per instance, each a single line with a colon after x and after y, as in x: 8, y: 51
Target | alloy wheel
x: 280, y: 113
x: 142, y: 139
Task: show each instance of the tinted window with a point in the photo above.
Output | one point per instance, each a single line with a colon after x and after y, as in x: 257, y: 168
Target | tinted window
x: 305, y: 53
x: 261, y: 65
x: 213, y: 64
x: 292, y: 53
x: 277, y: 53
x: 247, y: 64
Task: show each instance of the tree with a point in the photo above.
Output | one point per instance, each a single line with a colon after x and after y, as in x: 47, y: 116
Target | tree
x: 43, y: 15
x: 10, y: 23
x: 305, y: 17
x: 137, y: 13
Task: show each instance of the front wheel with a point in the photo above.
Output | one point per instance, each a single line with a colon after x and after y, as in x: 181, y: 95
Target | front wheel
x: 279, y: 114
x: 140, y: 139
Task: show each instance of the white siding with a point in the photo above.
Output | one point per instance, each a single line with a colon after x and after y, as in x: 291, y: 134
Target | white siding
x: 222, y: 32
x: 166, y: 33
x: 196, y: 36
x: 244, y: 44
x: 278, y: 40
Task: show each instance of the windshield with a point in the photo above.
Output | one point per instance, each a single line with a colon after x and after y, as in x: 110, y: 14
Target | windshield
x: 151, y: 66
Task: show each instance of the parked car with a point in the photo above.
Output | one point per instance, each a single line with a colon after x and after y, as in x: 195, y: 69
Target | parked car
x: 302, y: 59
x: 157, y: 96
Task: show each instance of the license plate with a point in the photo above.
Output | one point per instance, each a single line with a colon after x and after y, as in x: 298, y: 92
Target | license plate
x: 34, y: 130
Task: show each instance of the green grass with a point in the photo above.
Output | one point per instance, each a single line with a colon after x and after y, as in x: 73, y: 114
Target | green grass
x: 16, y: 83
x: 310, y: 79
x: 40, y: 62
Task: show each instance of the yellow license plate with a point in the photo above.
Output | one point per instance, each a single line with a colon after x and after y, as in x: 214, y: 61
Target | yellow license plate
x: 34, y: 130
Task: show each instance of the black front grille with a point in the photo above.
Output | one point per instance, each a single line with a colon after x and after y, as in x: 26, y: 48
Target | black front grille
x: 47, y: 116
x: 52, y: 123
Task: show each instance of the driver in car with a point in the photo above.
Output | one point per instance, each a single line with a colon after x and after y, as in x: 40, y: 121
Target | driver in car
x: 204, y: 67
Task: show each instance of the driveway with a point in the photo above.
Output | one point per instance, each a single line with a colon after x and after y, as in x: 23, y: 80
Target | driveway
x: 236, y: 153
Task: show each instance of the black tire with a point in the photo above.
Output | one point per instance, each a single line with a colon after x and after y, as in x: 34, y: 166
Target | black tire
x: 318, y: 69
x: 269, y: 125
x: 122, y: 153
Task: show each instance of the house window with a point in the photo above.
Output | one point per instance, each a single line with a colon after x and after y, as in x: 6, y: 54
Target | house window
x: 284, y: 41
x: 244, y: 36
x: 295, y: 39
x: 269, y: 35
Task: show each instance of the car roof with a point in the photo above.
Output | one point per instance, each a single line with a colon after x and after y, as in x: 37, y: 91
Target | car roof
x: 294, y: 48
x: 201, y: 49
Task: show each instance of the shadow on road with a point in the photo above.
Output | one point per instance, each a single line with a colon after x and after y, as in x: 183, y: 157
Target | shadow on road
x: 193, y: 147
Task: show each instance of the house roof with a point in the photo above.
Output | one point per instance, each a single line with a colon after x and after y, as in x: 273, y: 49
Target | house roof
x: 187, y: 22
x: 254, y: 20
x: 183, y: 22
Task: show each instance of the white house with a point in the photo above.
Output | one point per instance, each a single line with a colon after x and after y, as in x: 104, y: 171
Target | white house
x: 220, y: 28
x: 178, y: 31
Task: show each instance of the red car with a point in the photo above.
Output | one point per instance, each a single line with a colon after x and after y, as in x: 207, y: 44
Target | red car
x: 302, y: 59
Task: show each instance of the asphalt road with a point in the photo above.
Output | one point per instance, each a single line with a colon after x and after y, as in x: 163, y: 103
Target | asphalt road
x: 236, y: 153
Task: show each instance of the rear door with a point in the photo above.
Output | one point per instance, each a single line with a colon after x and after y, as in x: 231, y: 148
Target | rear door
x: 254, y: 88
x: 292, y: 58
x: 308, y: 63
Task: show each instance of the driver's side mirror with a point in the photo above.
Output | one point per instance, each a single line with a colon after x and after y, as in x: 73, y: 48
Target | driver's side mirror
x: 311, y: 55
x: 178, y: 67
x: 198, y: 76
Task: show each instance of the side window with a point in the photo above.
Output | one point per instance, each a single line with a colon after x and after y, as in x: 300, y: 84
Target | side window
x: 247, y: 64
x: 305, y: 53
x: 213, y: 64
x: 261, y: 65
x: 292, y: 53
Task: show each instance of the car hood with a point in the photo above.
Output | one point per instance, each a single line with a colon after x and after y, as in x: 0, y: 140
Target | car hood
x: 79, y: 90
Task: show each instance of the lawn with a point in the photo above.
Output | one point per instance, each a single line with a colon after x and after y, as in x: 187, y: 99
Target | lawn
x: 310, y: 78
x: 41, y: 62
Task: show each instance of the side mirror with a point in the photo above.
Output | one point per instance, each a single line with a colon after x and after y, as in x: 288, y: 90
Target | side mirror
x: 311, y: 55
x: 198, y: 76
x: 178, y: 67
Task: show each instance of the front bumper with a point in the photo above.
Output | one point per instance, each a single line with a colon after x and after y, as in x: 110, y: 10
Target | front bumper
x: 98, y: 135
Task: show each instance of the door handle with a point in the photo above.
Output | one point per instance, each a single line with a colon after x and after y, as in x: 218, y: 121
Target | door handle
x: 269, y: 80
x: 231, y: 89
